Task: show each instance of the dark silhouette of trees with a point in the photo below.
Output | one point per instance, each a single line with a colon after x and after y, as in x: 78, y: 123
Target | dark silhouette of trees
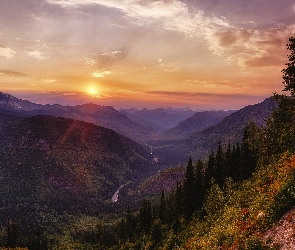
x: 189, y: 191
x: 219, y: 166
x: 289, y: 72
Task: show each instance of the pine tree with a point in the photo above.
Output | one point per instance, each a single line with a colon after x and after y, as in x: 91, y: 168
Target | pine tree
x: 200, y: 184
x: 235, y: 171
x: 209, y: 170
x: 145, y: 216
x: 178, y: 200
x: 289, y: 72
x: 129, y: 223
x: 249, y: 150
x: 162, y: 209
x: 189, y: 192
x: 219, y: 166
x: 228, y: 160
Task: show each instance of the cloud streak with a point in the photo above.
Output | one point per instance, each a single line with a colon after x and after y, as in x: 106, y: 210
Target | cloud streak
x: 196, y: 94
x: 12, y: 73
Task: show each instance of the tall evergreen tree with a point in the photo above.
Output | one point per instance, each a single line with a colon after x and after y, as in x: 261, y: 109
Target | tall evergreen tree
x: 162, y: 209
x: 280, y: 130
x: 219, y: 166
x: 209, y: 170
x: 189, y: 201
x: 199, y: 183
x: 178, y: 200
x: 228, y: 160
x: 249, y: 150
x: 145, y: 216
x: 235, y: 171
x: 289, y: 72
x: 129, y: 223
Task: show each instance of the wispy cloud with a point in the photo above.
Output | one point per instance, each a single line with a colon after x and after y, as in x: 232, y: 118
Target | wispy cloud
x: 36, y: 54
x: 48, y: 80
x: 100, y: 74
x: 195, y: 94
x: 12, y: 73
x: 7, y: 52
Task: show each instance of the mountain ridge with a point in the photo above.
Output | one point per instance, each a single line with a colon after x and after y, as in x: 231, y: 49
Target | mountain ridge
x: 105, y: 116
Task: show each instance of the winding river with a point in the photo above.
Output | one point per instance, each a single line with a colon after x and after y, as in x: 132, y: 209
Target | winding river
x: 116, y: 194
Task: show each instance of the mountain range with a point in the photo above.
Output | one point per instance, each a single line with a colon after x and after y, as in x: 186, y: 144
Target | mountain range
x: 105, y: 116
x: 200, y: 144
x: 83, y: 152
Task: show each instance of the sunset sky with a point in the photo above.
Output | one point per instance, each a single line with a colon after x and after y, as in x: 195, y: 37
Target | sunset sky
x: 203, y: 54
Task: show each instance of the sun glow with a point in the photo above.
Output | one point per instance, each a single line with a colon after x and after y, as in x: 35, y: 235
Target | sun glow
x: 92, y: 91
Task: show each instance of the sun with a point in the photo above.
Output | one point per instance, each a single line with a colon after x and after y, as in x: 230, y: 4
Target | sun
x: 92, y: 91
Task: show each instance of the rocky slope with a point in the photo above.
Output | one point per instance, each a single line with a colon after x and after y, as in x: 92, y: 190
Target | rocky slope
x: 282, y: 234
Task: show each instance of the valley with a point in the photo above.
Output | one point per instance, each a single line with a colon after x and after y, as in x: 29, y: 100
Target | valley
x: 74, y: 161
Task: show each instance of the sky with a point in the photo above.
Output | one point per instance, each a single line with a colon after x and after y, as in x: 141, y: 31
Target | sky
x: 213, y: 54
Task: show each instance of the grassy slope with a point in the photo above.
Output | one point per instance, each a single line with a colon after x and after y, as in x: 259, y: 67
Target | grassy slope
x: 237, y: 218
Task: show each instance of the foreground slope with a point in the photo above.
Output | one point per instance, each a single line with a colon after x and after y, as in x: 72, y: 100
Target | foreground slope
x: 239, y: 215
x: 65, y: 164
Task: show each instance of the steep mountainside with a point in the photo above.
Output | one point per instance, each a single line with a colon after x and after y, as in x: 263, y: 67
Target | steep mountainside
x: 230, y: 128
x: 65, y: 164
x: 105, y: 116
x: 196, y: 123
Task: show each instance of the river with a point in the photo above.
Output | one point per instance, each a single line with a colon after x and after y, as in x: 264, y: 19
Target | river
x: 116, y: 194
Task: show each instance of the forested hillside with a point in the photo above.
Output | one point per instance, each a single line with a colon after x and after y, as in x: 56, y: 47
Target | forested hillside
x: 51, y: 166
